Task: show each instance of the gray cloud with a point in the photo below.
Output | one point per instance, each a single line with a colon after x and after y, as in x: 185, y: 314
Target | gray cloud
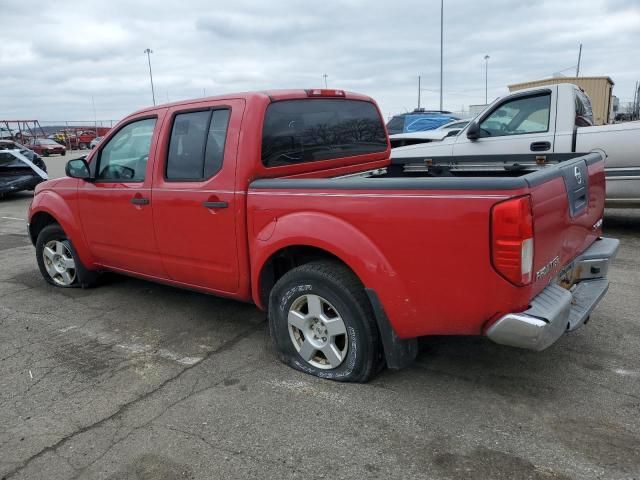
x: 56, y: 56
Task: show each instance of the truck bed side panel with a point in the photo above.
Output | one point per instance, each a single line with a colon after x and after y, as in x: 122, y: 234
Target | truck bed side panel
x: 425, y: 253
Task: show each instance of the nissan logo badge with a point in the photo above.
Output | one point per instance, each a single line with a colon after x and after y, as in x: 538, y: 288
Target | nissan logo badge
x: 578, y: 175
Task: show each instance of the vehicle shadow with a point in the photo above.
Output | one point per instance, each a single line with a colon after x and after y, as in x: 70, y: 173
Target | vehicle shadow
x: 622, y: 220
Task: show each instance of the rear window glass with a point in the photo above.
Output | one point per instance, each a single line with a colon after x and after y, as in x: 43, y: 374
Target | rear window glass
x: 299, y: 131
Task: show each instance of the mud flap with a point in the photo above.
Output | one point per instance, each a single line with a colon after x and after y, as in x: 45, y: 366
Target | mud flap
x: 398, y: 352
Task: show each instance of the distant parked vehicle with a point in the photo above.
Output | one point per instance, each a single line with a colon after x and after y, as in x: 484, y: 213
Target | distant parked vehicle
x: 447, y: 130
x: 46, y: 147
x: 419, y: 120
x: 94, y: 143
x: 535, y: 128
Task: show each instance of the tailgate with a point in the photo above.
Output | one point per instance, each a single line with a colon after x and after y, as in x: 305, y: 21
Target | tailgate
x: 567, y: 205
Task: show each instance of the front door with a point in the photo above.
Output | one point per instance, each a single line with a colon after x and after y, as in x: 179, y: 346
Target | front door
x: 195, y: 205
x: 517, y: 126
x: 116, y: 207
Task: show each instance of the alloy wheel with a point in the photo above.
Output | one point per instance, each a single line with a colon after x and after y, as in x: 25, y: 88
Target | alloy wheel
x: 317, y: 331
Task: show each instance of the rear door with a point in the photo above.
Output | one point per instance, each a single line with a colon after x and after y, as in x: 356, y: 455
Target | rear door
x: 195, y: 205
x: 518, y: 125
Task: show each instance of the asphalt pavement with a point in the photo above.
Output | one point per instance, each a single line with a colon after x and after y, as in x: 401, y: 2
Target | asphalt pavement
x: 134, y: 380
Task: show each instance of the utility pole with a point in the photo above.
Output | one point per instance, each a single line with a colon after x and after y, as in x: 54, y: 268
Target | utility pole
x: 579, y: 58
x: 419, y: 92
x: 486, y: 79
x: 324, y: 75
x: 95, y: 117
x: 148, y: 51
x: 633, y: 106
x: 441, y: 46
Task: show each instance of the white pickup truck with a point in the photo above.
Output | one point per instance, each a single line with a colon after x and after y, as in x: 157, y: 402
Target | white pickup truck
x: 529, y: 130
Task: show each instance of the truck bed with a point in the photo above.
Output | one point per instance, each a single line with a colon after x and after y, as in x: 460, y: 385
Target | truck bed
x: 419, y: 226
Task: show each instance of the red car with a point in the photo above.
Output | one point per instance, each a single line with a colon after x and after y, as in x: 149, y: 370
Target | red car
x: 46, y: 147
x: 288, y: 199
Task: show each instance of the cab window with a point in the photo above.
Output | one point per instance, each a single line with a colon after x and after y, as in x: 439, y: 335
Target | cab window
x: 519, y: 116
x: 196, y: 147
x: 124, y: 157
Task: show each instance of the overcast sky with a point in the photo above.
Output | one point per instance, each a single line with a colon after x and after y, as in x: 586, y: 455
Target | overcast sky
x: 56, y: 55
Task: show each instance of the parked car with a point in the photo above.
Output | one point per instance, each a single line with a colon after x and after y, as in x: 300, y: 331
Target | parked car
x: 535, y: 128
x: 419, y: 120
x: 307, y: 218
x: 46, y: 147
x: 18, y: 172
x: 447, y: 130
x: 94, y: 143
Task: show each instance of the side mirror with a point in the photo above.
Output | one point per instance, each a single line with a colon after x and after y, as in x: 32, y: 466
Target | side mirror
x: 473, y: 131
x: 78, y: 168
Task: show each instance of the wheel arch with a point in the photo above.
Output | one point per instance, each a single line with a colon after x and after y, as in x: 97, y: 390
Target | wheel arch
x: 49, y: 207
x: 39, y: 220
x: 312, y: 235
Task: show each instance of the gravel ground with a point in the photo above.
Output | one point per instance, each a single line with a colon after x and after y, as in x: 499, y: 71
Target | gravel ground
x: 134, y: 380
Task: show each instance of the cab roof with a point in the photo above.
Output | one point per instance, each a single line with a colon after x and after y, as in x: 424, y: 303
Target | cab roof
x: 265, y: 95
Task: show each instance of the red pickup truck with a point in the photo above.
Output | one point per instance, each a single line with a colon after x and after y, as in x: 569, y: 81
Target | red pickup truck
x: 289, y: 199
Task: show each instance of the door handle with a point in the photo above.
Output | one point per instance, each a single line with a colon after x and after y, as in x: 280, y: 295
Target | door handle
x: 140, y: 201
x: 215, y: 204
x: 540, y: 146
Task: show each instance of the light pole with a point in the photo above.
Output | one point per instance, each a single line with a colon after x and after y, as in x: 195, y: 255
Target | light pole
x: 324, y: 75
x: 148, y: 51
x: 486, y: 78
x: 441, y: 46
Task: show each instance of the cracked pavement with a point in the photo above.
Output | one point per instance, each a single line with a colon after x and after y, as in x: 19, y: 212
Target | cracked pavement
x: 133, y: 380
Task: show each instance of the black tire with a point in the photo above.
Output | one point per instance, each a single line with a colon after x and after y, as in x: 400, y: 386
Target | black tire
x: 82, y: 277
x: 45, y: 153
x: 63, y: 153
x: 338, y: 285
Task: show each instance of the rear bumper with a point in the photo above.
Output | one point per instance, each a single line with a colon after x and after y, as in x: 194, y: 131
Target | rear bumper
x: 557, y: 310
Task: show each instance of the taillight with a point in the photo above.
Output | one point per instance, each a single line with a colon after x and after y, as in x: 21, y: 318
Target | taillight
x: 325, y: 92
x: 512, y: 240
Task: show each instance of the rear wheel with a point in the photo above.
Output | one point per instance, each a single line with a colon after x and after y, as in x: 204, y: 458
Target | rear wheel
x: 58, y: 261
x: 321, y: 323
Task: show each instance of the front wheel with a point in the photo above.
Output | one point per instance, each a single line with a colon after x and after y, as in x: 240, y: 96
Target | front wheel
x: 58, y: 261
x: 321, y: 323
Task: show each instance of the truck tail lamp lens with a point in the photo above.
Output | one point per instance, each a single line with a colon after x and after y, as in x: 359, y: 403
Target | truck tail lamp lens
x: 325, y: 92
x: 512, y: 240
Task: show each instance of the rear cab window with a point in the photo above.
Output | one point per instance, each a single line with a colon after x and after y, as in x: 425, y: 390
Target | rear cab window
x: 308, y: 130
